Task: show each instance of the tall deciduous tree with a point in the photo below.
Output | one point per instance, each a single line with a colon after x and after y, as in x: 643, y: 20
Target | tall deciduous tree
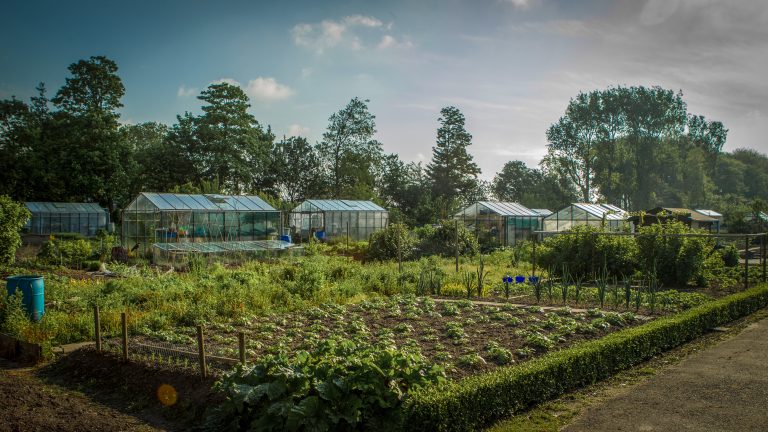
x: 452, y: 172
x: 90, y: 157
x: 296, y: 167
x: 531, y: 187
x: 349, y: 152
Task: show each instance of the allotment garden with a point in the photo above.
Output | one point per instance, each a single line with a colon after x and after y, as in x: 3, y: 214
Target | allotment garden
x: 401, y: 332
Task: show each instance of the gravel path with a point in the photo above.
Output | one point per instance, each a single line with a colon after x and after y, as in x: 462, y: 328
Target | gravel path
x: 723, y: 388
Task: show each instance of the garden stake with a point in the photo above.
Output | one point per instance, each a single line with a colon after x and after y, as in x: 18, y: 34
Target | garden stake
x: 201, y: 351
x: 124, y: 324
x: 746, y: 262
x: 457, y: 245
x: 97, y: 327
x: 241, y: 346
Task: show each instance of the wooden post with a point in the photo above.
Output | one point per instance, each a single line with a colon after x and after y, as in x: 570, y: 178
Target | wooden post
x: 97, y: 327
x: 124, y: 324
x: 457, y: 245
x: 348, y: 236
x: 533, y: 260
x: 201, y: 352
x: 746, y: 262
x: 241, y: 346
x: 762, y: 244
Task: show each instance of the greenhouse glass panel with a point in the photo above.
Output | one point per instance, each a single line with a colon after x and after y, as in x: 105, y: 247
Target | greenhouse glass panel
x: 361, y: 218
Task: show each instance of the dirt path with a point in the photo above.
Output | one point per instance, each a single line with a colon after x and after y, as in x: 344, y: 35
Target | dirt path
x: 723, y: 388
x: 27, y: 404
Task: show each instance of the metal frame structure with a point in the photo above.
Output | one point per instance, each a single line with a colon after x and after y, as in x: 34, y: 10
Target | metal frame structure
x: 53, y: 217
x: 606, y: 216
x: 185, y: 218
x: 501, y: 223
x: 329, y: 219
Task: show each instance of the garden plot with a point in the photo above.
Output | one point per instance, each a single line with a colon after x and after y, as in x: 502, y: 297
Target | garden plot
x: 463, y: 336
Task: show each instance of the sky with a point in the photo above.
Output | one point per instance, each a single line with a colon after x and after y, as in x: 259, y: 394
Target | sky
x: 510, y: 66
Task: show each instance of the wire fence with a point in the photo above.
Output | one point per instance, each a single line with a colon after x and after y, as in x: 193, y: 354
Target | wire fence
x: 137, y: 348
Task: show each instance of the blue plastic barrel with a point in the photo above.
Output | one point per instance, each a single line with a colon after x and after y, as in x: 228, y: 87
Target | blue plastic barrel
x: 32, y: 293
x: 285, y: 238
x: 320, y: 235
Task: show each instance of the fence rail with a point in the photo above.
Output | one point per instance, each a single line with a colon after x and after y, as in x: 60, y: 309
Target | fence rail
x: 128, y: 348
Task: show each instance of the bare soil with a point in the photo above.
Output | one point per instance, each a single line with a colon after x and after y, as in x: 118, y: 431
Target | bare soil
x: 90, y: 391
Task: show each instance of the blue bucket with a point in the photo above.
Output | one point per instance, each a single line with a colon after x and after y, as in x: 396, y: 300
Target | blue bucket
x: 32, y: 293
x: 519, y: 279
x: 286, y: 238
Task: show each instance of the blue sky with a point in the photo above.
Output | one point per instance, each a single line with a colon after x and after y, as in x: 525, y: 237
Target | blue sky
x: 509, y: 65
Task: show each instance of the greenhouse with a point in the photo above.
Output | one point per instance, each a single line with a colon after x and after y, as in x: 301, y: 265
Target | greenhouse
x: 52, y: 218
x: 500, y: 223
x: 327, y: 219
x: 183, y: 218
x: 597, y: 215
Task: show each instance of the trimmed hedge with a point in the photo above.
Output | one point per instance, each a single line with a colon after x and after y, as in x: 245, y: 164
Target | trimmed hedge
x: 475, y: 402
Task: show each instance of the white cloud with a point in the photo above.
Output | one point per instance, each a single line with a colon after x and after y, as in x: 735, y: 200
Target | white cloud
x: 389, y: 41
x: 298, y: 130
x: 230, y: 81
x: 362, y: 20
x: 521, y: 4
x: 265, y: 89
x: 185, y: 92
x: 306, y: 72
x: 352, y: 32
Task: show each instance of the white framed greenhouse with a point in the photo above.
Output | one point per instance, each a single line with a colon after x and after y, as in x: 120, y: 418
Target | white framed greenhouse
x: 608, y: 216
x: 328, y: 219
x: 500, y: 223
x: 185, y: 218
x: 49, y: 218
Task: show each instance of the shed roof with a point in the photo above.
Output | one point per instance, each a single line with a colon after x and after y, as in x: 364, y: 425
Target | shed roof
x: 710, y: 213
x: 58, y: 207
x: 210, y: 202
x: 345, y: 205
x: 694, y: 215
x: 610, y: 212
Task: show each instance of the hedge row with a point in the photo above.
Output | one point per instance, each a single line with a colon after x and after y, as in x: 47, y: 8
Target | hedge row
x: 475, y: 402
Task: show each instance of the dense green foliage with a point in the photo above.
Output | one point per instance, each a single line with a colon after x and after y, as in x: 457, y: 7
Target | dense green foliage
x: 13, y: 216
x: 676, y: 261
x: 636, y: 147
x: 582, y: 252
x: 394, y: 242
x: 441, y: 240
x: 476, y: 401
x: 340, y: 385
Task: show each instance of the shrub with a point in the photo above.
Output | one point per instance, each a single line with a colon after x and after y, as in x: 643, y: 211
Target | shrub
x: 340, y: 385
x: 583, y: 252
x: 13, y: 216
x: 441, y: 240
x: 677, y: 260
x: 385, y: 244
x: 730, y: 256
x: 71, y: 253
x: 476, y: 401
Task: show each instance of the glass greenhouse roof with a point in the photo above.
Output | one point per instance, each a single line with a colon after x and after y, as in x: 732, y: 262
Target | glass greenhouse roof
x: 543, y: 212
x: 503, y: 209
x: 221, y: 247
x: 55, y: 207
x: 611, y: 212
x: 212, y: 202
x: 343, y: 205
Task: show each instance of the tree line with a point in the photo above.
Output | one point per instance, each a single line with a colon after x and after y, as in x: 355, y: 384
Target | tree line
x: 635, y: 147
